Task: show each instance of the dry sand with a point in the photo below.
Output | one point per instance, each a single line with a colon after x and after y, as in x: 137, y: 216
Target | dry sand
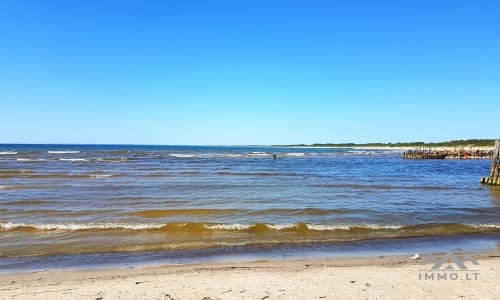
x: 393, y: 277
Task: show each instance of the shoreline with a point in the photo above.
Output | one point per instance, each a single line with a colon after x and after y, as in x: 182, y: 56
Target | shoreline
x: 397, y: 148
x: 393, y: 277
x: 406, y: 246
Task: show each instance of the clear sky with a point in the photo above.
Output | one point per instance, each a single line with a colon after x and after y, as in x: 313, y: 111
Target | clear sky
x: 248, y: 72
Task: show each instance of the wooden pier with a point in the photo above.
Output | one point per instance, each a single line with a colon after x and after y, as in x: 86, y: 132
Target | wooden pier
x: 494, y: 178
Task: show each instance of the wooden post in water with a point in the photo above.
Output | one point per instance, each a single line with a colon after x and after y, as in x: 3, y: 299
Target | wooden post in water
x: 494, y: 178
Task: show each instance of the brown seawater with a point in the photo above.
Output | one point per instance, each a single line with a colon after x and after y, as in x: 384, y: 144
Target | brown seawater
x: 81, y: 199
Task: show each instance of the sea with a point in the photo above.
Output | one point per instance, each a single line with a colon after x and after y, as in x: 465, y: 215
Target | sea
x: 77, y: 206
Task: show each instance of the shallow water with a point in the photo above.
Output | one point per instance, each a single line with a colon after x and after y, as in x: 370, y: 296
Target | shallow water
x: 83, y: 199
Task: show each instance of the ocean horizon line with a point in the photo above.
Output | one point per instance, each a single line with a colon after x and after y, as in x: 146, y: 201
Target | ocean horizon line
x: 467, y: 142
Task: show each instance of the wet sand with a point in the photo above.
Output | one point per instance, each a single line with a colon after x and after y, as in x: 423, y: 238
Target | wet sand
x: 392, y: 277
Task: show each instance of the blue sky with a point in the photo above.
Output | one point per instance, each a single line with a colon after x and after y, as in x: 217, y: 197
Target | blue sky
x: 248, y: 72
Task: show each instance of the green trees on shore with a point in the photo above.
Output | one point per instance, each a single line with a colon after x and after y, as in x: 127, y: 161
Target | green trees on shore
x: 455, y: 143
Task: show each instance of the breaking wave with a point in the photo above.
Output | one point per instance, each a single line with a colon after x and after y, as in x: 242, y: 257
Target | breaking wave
x: 73, y: 159
x: 403, y: 229
x: 8, y: 153
x: 63, y: 152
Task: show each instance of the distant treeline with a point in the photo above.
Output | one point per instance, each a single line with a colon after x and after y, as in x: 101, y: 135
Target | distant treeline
x: 456, y: 143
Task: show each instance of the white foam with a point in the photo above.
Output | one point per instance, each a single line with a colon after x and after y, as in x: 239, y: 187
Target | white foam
x: 484, y: 225
x: 258, y: 154
x: 30, y: 159
x: 63, y: 152
x: 228, y: 155
x: 8, y: 153
x: 73, y: 159
x: 180, y: 155
x: 228, y: 226
x: 298, y: 154
x: 100, y: 175
x: 281, y: 226
x: 318, y: 227
x: 359, y: 152
x: 77, y: 226
x: 350, y: 226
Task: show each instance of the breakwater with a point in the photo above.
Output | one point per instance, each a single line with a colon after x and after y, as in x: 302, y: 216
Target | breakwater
x: 431, y: 153
x: 494, y: 178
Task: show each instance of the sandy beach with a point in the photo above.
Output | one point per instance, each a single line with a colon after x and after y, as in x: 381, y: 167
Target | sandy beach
x: 391, y: 277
